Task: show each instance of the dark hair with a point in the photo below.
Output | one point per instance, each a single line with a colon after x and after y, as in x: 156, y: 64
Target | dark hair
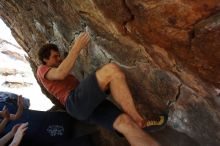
x: 44, y: 52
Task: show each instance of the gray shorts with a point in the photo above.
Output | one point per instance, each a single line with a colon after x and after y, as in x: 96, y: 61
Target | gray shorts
x: 88, y: 103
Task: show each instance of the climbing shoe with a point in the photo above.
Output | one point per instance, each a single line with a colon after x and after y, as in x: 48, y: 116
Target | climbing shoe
x: 156, y: 124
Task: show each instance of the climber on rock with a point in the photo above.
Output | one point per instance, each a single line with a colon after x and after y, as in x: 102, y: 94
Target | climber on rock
x: 86, y: 100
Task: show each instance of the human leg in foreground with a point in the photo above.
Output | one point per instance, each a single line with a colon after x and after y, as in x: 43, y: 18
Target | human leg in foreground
x: 133, y: 133
x: 111, y: 77
x: 107, y: 115
x: 130, y: 123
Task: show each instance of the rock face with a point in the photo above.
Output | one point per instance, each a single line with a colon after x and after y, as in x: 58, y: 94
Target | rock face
x: 169, y: 50
x: 9, y: 77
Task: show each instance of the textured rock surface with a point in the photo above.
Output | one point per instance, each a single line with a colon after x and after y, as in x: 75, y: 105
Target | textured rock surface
x: 8, y: 74
x: 169, y: 50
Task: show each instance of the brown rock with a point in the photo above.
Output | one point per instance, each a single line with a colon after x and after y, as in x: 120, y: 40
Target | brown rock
x: 169, y: 51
